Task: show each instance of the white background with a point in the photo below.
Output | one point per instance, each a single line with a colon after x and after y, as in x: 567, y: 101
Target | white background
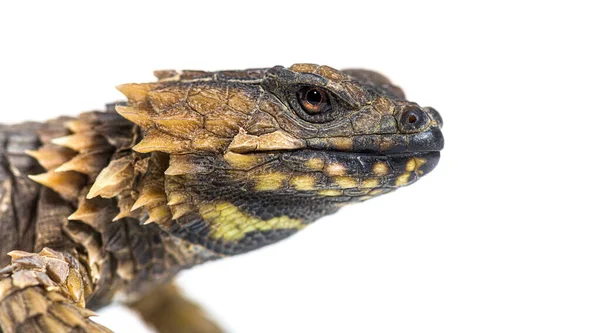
x: 503, y: 236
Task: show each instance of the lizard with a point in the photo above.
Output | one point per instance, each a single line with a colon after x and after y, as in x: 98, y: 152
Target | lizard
x: 196, y: 166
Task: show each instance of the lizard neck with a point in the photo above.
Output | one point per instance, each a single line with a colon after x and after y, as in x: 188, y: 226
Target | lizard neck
x: 116, y: 194
x: 90, y: 162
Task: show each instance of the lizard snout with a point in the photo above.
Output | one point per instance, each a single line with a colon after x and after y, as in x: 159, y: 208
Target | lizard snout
x: 435, y: 115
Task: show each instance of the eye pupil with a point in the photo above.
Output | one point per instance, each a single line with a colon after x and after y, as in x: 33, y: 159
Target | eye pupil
x: 412, y: 119
x: 314, y: 97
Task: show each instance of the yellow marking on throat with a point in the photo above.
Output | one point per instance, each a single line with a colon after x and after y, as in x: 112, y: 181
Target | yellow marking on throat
x: 412, y: 166
x: 415, y: 163
x: 330, y: 193
x: 370, y: 183
x: 402, y: 179
x: 315, y: 164
x: 335, y: 169
x: 241, y: 161
x: 303, y: 182
x: 230, y: 223
x: 346, y: 182
x: 381, y: 169
x: 270, y: 181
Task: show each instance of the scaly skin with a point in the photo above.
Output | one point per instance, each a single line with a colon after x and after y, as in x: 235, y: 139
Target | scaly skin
x: 195, y: 167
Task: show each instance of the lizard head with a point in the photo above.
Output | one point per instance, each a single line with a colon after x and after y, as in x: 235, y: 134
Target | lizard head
x: 253, y: 156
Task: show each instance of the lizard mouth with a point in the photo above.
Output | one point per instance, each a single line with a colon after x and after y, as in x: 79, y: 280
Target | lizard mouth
x: 375, y: 155
x: 337, y: 165
x: 429, y: 140
x: 361, y: 164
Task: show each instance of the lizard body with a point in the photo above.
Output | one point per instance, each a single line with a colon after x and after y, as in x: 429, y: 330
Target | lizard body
x: 194, y: 167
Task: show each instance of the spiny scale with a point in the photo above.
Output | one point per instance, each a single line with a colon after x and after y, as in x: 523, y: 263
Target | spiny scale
x: 169, y: 125
x: 81, y: 157
x: 160, y: 215
x: 135, y: 115
x: 78, y: 125
x: 88, y: 211
x: 154, y: 201
x: 66, y: 183
x: 150, y: 196
x: 180, y: 210
x: 136, y: 92
x: 50, y: 156
x: 177, y: 198
x: 81, y: 141
x: 155, y: 140
x: 88, y: 163
x: 113, y: 179
x: 125, y: 202
x: 184, y: 164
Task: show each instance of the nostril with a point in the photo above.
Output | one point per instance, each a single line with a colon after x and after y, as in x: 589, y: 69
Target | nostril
x: 413, y: 118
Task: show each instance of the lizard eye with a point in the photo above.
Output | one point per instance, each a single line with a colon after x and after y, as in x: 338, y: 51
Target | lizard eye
x: 314, y: 100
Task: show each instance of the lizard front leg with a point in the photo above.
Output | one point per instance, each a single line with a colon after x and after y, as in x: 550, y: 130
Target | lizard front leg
x: 45, y: 293
x: 167, y: 310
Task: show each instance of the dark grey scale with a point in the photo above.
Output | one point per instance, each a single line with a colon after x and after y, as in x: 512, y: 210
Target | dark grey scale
x: 242, y: 75
x: 348, y: 160
x: 384, y: 190
x: 389, y: 90
x: 320, y: 144
x: 195, y: 75
x: 432, y: 159
x: 278, y: 78
x: 197, y: 183
x: 198, y: 233
x: 116, y: 239
x: 18, y: 194
x: 108, y: 118
x: 321, y: 181
x: 297, y: 160
x: 391, y: 182
x: 378, y: 143
x: 297, y: 207
x: 80, y: 231
x: 140, y: 245
x: 50, y: 220
x: 17, y: 144
x: 426, y: 141
x: 256, y: 239
x: 130, y: 242
x: 266, y: 205
x: 363, y: 120
x: 342, y: 128
x: 367, y: 162
x: 191, y: 228
x: 379, y: 83
x: 205, y: 164
x: 354, y: 192
x: 398, y: 162
x: 165, y: 74
x: 191, y: 223
x: 388, y: 125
